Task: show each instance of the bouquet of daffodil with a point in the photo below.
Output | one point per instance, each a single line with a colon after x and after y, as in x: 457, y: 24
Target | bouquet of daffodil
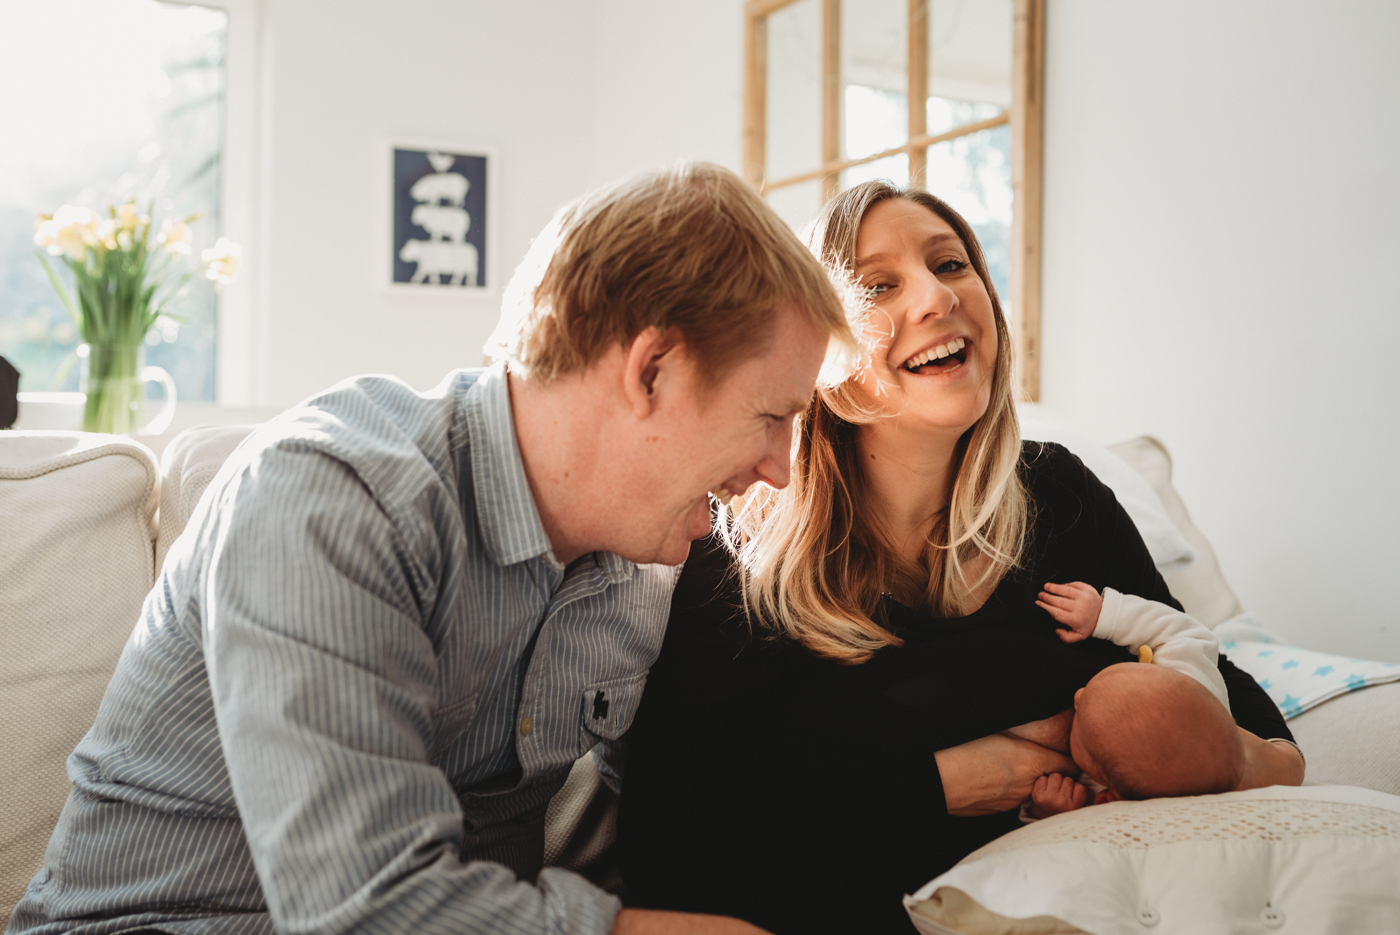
x: 122, y: 282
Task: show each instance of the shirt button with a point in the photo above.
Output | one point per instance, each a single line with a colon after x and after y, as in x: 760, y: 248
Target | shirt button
x: 526, y: 726
x: 1148, y: 916
x: 1271, y: 917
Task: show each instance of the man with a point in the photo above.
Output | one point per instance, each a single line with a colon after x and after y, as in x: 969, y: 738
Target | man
x: 396, y: 619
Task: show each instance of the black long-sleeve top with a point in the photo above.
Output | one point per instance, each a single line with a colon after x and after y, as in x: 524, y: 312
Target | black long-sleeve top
x: 802, y: 794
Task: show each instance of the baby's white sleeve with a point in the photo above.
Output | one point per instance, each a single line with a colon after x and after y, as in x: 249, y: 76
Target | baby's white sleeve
x: 1177, y: 640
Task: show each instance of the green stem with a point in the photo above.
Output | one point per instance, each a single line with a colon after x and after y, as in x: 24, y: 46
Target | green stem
x: 115, y: 397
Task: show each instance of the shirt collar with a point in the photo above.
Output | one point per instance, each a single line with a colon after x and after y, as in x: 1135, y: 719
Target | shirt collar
x: 615, y: 568
x: 505, y: 510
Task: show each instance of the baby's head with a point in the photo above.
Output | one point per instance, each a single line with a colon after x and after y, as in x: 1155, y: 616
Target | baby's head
x: 1145, y: 731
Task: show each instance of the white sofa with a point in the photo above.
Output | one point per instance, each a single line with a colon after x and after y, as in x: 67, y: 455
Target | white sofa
x: 88, y: 518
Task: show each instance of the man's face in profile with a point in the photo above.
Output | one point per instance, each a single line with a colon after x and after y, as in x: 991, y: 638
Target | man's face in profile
x: 725, y: 438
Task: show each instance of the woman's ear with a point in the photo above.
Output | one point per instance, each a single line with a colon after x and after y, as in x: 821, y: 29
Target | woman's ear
x: 651, y: 352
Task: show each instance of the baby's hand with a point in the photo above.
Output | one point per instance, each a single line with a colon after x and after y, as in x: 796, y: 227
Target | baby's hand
x: 1054, y: 794
x: 1076, y: 605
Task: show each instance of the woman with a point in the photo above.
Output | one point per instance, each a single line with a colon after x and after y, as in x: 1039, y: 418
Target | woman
x: 822, y: 731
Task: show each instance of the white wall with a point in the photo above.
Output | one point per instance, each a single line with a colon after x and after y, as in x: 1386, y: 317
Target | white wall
x: 669, y: 84
x: 1220, y: 240
x: 342, y: 80
x: 568, y: 94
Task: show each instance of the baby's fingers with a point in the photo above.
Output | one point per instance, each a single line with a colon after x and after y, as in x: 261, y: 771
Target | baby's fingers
x: 1061, y: 614
x: 1070, y: 636
x: 1059, y: 600
x: 1064, y: 590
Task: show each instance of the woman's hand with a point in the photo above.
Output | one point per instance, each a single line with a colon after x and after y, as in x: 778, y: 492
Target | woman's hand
x: 1267, y: 764
x: 995, y: 774
x: 1053, y: 732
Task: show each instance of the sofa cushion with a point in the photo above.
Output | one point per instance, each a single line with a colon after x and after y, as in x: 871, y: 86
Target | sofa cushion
x: 1311, y: 859
x: 76, y: 559
x: 190, y: 462
x: 1201, y: 586
x: 1353, y: 739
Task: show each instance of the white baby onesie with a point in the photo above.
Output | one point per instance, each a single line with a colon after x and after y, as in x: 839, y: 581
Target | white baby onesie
x: 1178, y: 641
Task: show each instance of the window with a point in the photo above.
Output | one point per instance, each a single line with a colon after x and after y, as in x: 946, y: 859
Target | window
x: 827, y: 105
x: 121, y: 100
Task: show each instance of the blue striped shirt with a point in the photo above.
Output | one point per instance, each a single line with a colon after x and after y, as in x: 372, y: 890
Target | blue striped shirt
x: 358, y: 681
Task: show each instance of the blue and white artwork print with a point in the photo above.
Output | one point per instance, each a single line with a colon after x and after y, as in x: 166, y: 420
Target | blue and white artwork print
x: 440, y: 219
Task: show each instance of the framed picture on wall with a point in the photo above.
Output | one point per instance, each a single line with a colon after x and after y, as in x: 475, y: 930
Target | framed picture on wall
x: 442, y: 219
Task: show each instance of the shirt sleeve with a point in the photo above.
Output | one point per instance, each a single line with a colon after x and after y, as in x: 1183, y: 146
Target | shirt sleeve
x: 1177, y: 640
x: 324, y: 685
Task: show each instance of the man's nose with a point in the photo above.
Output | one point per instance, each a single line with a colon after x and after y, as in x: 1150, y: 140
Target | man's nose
x: 775, y: 469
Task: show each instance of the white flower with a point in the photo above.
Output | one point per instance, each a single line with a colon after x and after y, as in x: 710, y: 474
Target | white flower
x: 71, y: 230
x: 175, y: 236
x: 106, y: 233
x: 222, y: 260
x: 128, y: 219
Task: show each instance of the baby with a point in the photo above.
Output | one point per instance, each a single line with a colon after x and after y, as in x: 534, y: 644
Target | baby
x: 1138, y: 731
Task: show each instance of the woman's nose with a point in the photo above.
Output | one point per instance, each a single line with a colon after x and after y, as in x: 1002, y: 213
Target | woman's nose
x: 929, y: 298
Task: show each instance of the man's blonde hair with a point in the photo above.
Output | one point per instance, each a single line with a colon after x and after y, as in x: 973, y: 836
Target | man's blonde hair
x: 691, y: 248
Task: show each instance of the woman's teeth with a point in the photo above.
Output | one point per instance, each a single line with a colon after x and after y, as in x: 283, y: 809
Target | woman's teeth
x: 934, y: 353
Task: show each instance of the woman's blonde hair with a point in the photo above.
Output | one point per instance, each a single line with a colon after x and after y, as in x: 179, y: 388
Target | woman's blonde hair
x: 812, y: 560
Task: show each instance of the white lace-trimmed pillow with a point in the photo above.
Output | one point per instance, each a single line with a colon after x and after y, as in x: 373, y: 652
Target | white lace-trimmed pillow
x: 1314, y: 859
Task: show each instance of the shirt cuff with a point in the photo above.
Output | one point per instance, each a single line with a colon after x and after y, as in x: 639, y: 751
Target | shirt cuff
x: 1294, y: 746
x: 573, y: 906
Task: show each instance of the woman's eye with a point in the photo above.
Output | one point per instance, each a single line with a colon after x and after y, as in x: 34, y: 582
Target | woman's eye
x: 950, y: 266
x: 879, y: 288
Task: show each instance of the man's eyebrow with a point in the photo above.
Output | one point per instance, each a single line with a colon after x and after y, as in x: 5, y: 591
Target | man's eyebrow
x: 875, y: 258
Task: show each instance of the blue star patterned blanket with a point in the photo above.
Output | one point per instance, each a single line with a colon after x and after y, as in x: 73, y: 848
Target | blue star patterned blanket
x: 1296, y: 679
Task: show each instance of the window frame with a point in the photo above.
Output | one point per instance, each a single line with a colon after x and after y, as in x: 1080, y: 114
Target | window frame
x: 1026, y: 118
x: 241, y: 352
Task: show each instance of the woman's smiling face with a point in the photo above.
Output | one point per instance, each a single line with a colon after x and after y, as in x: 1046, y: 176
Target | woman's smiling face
x: 932, y: 336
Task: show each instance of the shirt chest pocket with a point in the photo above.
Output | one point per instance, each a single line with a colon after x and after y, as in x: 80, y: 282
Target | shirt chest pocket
x: 607, y: 708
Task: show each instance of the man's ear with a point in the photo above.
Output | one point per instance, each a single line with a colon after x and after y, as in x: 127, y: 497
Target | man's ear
x: 651, y: 352
x: 1076, y: 698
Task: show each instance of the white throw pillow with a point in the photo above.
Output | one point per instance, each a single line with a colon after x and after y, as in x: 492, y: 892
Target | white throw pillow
x: 1315, y: 859
x: 76, y: 560
x: 1170, y: 551
x: 190, y: 462
x: 1201, y: 588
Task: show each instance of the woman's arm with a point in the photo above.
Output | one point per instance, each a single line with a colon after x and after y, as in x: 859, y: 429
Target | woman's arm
x: 1269, y: 764
x: 995, y: 774
x: 657, y: 922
